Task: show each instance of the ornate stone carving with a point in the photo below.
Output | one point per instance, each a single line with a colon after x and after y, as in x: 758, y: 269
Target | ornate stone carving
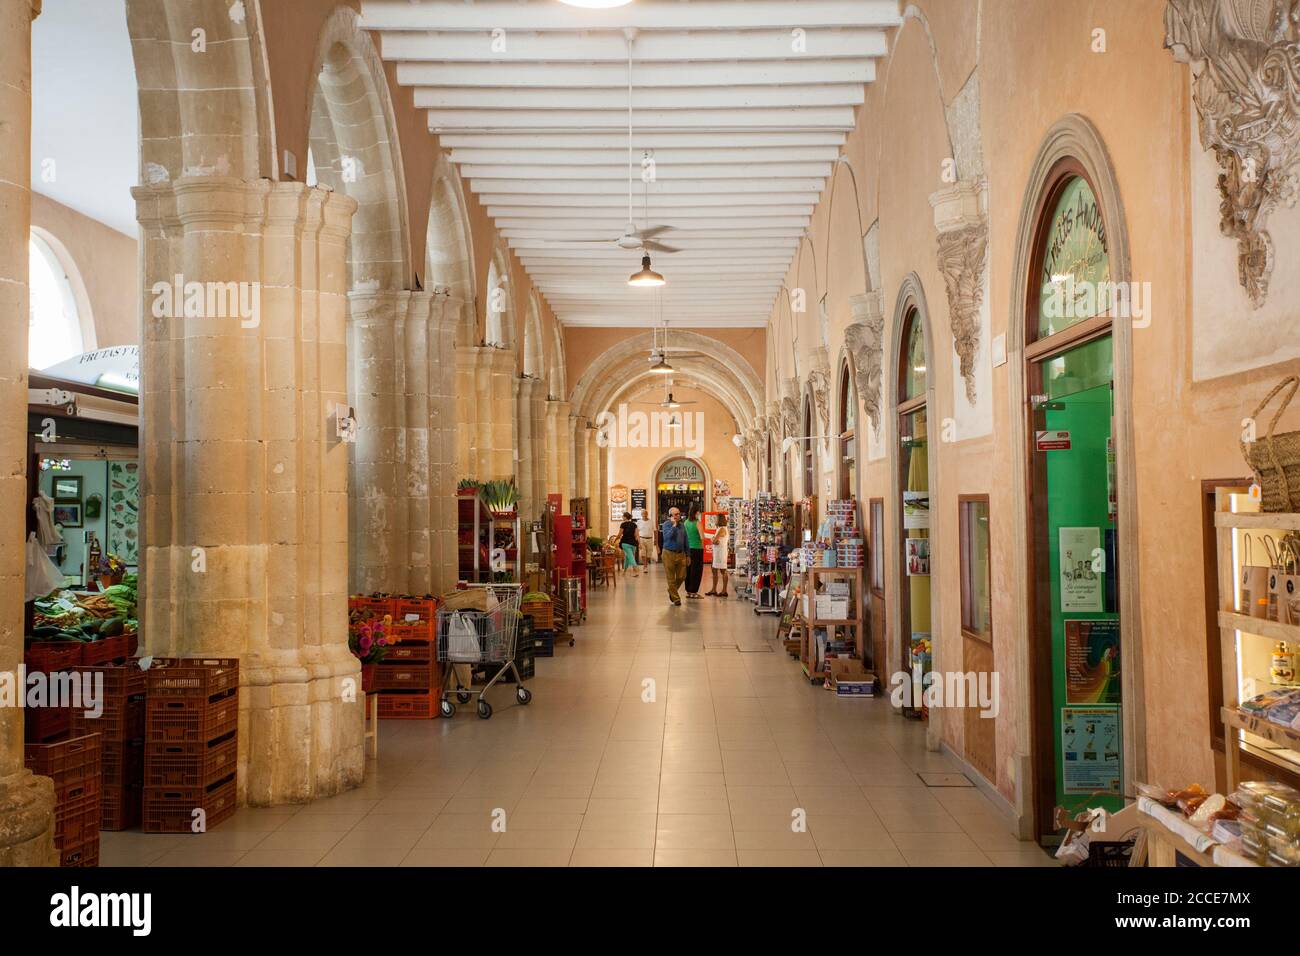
x: 865, y: 341
x: 1247, y: 94
x: 961, y: 217
x: 819, y: 383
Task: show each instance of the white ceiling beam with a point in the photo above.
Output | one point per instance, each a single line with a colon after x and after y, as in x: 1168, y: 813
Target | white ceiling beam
x: 683, y: 214
x: 819, y: 117
x: 659, y: 98
x: 663, y: 172
x: 663, y: 200
x: 775, y: 188
x: 685, y: 243
x: 671, y: 238
x: 663, y: 157
x: 606, y: 320
x: 641, y: 140
x: 532, y: 75
x: 645, y: 15
x: 606, y: 223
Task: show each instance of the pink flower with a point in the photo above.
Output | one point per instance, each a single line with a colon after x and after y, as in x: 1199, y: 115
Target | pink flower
x: 365, y: 645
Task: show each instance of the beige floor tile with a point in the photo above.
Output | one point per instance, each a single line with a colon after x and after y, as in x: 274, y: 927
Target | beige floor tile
x: 670, y: 804
x: 1030, y: 856
x: 642, y: 839
x: 302, y: 840
x: 379, y: 840
x: 530, y: 857
x: 925, y: 840
x: 778, y: 858
x: 773, y: 840
x: 480, y: 838
x: 537, y: 840
x: 184, y: 856
x: 699, y: 822
x: 669, y: 839
x: 292, y: 858
x: 690, y: 857
x: 862, y: 857
x: 450, y: 857
x: 364, y: 856
x: 946, y: 858
x: 596, y: 856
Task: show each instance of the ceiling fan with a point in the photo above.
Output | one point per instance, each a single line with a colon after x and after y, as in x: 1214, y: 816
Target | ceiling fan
x: 669, y: 402
x: 633, y: 238
x: 659, y: 353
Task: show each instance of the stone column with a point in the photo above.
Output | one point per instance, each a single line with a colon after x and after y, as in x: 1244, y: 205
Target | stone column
x: 601, y: 495
x: 523, y: 448
x: 26, y: 801
x: 468, y: 403
x: 501, y: 378
x: 578, y: 435
x: 560, y: 437
x: 444, y: 432
x: 245, y: 504
x: 540, y: 447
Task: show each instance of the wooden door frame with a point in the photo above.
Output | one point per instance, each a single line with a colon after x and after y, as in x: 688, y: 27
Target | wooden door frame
x: 1072, y: 144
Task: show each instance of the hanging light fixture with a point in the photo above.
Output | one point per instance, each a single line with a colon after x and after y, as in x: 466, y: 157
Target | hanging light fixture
x: 647, y: 277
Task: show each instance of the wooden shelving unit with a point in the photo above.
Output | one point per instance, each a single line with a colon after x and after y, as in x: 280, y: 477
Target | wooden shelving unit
x: 473, y: 539
x: 853, y: 623
x: 1235, y: 514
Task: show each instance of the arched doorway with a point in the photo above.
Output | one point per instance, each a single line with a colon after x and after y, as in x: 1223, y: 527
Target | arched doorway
x: 1081, y: 648
x: 912, y: 563
x: 680, y: 482
x: 848, y: 422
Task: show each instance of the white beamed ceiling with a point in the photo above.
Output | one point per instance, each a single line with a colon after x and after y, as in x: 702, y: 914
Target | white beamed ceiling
x: 743, y: 104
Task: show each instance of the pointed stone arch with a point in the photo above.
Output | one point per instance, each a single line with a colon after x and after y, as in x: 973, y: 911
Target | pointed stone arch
x: 449, y: 257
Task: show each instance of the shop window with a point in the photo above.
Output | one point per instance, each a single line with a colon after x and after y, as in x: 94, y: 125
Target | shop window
x: 878, y: 545
x: 54, y: 327
x: 976, y: 603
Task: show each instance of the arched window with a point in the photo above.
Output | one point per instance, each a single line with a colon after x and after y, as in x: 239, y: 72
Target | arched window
x: 809, y: 451
x: 55, y: 324
x: 848, y: 434
x: 497, y: 327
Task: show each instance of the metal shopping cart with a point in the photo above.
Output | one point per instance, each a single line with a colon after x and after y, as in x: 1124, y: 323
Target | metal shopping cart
x: 468, y: 637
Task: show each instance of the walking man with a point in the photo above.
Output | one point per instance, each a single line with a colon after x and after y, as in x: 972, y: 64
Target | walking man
x: 675, y: 554
x: 645, y: 532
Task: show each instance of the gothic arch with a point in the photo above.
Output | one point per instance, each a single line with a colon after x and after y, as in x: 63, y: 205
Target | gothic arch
x: 534, y: 347
x: 449, y: 256
x: 498, y: 308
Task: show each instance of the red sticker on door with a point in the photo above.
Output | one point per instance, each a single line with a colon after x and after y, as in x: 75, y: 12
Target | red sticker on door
x: 1052, y: 441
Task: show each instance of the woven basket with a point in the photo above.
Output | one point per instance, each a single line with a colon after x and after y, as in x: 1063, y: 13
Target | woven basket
x: 1276, y: 459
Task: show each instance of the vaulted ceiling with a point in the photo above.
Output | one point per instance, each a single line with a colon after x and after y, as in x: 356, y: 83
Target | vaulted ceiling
x: 743, y: 106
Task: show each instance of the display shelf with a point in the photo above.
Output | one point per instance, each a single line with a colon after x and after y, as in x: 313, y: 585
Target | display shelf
x: 1170, y: 836
x: 1243, y: 659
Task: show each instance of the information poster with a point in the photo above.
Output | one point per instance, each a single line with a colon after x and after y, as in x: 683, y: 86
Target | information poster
x: 916, y: 509
x: 638, y: 501
x: 617, y: 503
x: 124, y: 511
x: 1080, y: 549
x: 1090, y: 750
x: 1092, y: 662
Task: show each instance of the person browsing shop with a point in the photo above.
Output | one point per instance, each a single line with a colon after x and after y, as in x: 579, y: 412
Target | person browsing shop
x: 628, y: 543
x: 675, y: 558
x: 694, y: 554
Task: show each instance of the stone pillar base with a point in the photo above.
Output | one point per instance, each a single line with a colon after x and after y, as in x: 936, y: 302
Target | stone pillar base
x: 300, y: 730
x: 27, y: 820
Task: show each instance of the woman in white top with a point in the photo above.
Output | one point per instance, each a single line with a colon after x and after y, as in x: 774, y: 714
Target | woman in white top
x: 721, y: 552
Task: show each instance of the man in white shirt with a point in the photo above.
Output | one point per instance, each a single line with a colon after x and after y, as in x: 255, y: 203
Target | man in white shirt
x: 645, y: 533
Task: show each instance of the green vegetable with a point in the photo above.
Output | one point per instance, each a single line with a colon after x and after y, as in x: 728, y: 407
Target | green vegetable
x: 112, y: 627
x: 45, y: 631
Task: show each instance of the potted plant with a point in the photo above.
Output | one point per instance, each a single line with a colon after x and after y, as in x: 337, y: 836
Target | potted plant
x: 500, y: 496
x: 595, y: 543
x: 368, y: 640
x: 109, y: 569
x: 467, y: 488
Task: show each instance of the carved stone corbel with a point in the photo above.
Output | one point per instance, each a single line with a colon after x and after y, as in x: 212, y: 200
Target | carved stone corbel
x: 790, y: 408
x: 865, y: 339
x: 961, y: 218
x: 819, y: 383
x: 1246, y: 61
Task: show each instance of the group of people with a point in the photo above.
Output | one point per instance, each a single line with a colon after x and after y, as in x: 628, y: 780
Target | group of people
x: 681, y: 548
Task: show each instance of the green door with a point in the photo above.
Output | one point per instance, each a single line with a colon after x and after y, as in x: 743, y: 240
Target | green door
x: 1074, y: 440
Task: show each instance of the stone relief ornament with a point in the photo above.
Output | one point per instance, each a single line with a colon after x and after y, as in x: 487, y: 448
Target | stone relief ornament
x: 790, y: 408
x: 819, y: 383
x: 1246, y: 61
x: 865, y: 341
x: 961, y: 218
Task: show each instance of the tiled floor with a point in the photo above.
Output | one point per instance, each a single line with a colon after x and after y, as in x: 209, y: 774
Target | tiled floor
x: 641, y: 747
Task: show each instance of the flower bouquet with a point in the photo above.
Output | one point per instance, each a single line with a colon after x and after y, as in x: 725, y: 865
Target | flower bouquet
x: 110, y: 569
x: 368, y: 641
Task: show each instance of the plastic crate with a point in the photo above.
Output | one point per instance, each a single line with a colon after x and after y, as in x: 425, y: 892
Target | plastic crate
x: 408, y: 652
x: 108, y: 650
x: 543, y: 643
x: 120, y: 807
x: 76, y: 818
x: 426, y: 610
x: 375, y: 606
x: 46, y: 656
x: 400, y: 676
x: 190, y: 765
x: 74, y: 764
x: 123, y: 704
x: 1112, y: 853
x: 413, y: 705
x: 42, y: 724
x: 419, y: 633
x: 171, y: 809
x: 542, y: 613
x: 123, y: 763
x: 192, y: 677
x: 82, y: 855
x: 188, y: 720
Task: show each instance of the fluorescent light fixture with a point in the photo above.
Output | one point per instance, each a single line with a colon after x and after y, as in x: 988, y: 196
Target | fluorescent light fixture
x: 596, y: 4
x: 647, y: 277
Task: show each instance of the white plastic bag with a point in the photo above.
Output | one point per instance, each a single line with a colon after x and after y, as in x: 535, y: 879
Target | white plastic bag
x: 462, y: 638
x: 43, y: 575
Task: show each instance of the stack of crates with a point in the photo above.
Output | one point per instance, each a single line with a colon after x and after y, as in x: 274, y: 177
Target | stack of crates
x: 409, y: 678
x: 121, y: 732
x: 541, y: 640
x: 74, y: 764
x: 191, y: 743
x: 525, y: 655
x: 44, y: 724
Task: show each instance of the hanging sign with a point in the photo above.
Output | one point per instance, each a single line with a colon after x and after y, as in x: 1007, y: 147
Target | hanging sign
x: 638, y: 499
x: 1052, y: 441
x: 1090, y: 750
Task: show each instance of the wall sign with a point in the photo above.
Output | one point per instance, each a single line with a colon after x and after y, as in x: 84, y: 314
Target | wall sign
x: 1052, y: 441
x: 638, y: 499
x: 1090, y: 750
x: 1092, y: 662
x: 681, y: 470
x: 1080, y: 582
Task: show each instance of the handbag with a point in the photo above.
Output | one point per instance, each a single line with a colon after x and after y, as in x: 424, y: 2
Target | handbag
x: 1276, y: 459
x: 462, y: 637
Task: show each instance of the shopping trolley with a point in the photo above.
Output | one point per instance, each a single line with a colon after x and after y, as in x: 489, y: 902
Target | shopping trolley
x: 472, y: 637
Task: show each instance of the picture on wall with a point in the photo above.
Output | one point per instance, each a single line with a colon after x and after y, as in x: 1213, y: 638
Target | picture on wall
x: 124, y: 510
x: 67, y: 488
x: 918, y: 556
x: 67, y: 514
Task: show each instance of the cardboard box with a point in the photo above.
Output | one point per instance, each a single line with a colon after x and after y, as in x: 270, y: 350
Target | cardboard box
x: 851, y: 679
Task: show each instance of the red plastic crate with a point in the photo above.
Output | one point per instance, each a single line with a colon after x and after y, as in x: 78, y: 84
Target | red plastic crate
x: 419, y: 632
x: 408, y: 652
x: 376, y: 606
x: 42, y: 724
x: 73, y: 764
x: 171, y: 809
x: 123, y: 704
x: 84, y: 855
x: 108, y: 650
x: 191, y: 677
x: 123, y: 763
x: 190, y: 720
x: 120, y: 807
x: 408, y: 706
x: 190, y: 765
x: 425, y: 608
x: 399, y: 676
x: 76, y: 818
x: 49, y: 656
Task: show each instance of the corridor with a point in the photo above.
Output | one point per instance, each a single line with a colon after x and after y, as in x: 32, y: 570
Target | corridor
x: 710, y: 772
